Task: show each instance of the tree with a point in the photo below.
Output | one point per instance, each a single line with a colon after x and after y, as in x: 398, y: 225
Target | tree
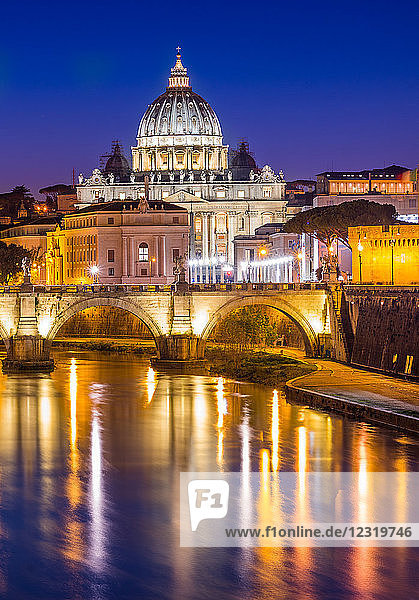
x: 12, y: 202
x: 11, y: 256
x: 24, y: 198
x: 51, y: 193
x: 330, y: 223
x: 247, y: 328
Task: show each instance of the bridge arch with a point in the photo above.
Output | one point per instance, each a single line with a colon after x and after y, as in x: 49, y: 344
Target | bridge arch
x: 121, y: 303
x: 303, y: 325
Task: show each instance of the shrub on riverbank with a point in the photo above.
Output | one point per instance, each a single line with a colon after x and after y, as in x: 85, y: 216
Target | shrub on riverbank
x: 122, y: 347
x: 257, y: 367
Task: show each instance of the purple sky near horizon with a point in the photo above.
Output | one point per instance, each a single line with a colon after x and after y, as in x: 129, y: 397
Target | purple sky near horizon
x: 311, y: 86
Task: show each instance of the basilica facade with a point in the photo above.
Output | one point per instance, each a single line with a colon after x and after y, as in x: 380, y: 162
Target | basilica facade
x: 180, y: 157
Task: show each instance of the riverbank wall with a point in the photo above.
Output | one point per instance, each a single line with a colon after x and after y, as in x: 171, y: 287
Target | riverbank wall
x: 406, y: 418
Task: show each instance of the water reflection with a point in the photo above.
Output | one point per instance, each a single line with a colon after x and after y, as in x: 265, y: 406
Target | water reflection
x: 89, y: 483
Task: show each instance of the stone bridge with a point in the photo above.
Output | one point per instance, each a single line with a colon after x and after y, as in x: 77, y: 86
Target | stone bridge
x: 180, y: 321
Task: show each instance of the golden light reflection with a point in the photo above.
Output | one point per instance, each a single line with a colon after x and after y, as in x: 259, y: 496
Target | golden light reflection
x: 246, y: 505
x: 302, y: 457
x: 73, y: 402
x: 275, y: 431
x: 362, y: 481
x: 96, y: 495
x: 45, y: 413
x: 264, y: 467
x: 220, y: 448
x: 151, y: 384
x: 221, y: 402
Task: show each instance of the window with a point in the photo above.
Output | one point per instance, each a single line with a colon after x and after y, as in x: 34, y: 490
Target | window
x: 111, y: 271
x: 412, y: 202
x: 179, y: 159
x: 221, y: 224
x: 143, y: 272
x: 143, y: 252
x: 165, y: 195
x: 175, y: 254
x: 164, y: 160
x: 241, y: 225
x: 267, y: 192
x: 111, y: 255
x: 122, y: 195
x: 220, y: 194
x: 111, y: 220
x: 240, y: 194
x: 198, y: 224
x: 195, y: 160
x: 176, y: 220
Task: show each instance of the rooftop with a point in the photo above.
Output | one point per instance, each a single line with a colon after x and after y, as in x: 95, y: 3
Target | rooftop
x: 391, y: 172
x: 126, y: 205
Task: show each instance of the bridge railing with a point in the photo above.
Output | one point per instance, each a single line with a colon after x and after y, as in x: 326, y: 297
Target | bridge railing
x: 98, y: 288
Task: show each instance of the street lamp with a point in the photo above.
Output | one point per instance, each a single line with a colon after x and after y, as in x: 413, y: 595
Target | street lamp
x: 153, y: 260
x: 392, y: 244
x: 360, y: 249
x: 94, y: 271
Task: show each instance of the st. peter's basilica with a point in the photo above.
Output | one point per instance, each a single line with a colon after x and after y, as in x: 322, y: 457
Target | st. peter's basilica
x: 180, y: 158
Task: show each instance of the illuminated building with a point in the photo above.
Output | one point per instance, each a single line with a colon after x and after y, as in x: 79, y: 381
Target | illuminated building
x: 391, y: 185
x: 390, y: 180
x: 386, y: 254
x: 32, y: 236
x: 269, y: 256
x: 180, y: 157
x: 118, y: 242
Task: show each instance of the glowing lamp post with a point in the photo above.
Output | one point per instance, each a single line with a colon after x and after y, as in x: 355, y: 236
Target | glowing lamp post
x: 392, y: 244
x: 94, y: 271
x: 300, y: 263
x: 360, y: 249
x: 262, y: 254
x: 152, y: 260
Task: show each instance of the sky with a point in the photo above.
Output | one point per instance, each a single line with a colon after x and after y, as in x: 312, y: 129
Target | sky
x: 312, y: 86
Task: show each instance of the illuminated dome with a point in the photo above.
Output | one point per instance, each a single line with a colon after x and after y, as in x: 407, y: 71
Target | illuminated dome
x: 179, y: 119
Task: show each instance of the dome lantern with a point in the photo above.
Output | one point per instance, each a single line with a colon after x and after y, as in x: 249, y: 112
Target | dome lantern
x: 179, y: 74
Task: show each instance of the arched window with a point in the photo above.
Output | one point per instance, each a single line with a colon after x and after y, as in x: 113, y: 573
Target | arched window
x: 267, y: 218
x: 179, y: 160
x: 143, y: 252
x: 195, y: 160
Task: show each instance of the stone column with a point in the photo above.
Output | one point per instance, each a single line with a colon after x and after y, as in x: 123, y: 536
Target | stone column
x: 204, y: 218
x: 132, y: 259
x: 124, y: 256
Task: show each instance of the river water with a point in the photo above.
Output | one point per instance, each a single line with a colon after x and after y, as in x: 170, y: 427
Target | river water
x: 89, y: 484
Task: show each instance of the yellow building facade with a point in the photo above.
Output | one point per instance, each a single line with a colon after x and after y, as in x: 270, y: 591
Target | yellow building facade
x: 386, y: 254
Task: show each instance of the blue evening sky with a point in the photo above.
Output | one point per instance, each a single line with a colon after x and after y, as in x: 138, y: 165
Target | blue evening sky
x: 311, y: 85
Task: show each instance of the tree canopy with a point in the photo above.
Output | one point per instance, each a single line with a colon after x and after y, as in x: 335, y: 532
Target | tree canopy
x: 51, y: 193
x: 330, y: 223
x: 11, y: 256
x: 12, y: 202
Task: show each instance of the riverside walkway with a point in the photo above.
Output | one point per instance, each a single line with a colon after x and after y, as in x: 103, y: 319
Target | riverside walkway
x: 358, y: 393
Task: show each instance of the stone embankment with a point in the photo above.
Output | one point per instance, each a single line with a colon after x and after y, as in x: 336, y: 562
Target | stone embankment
x: 358, y: 394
